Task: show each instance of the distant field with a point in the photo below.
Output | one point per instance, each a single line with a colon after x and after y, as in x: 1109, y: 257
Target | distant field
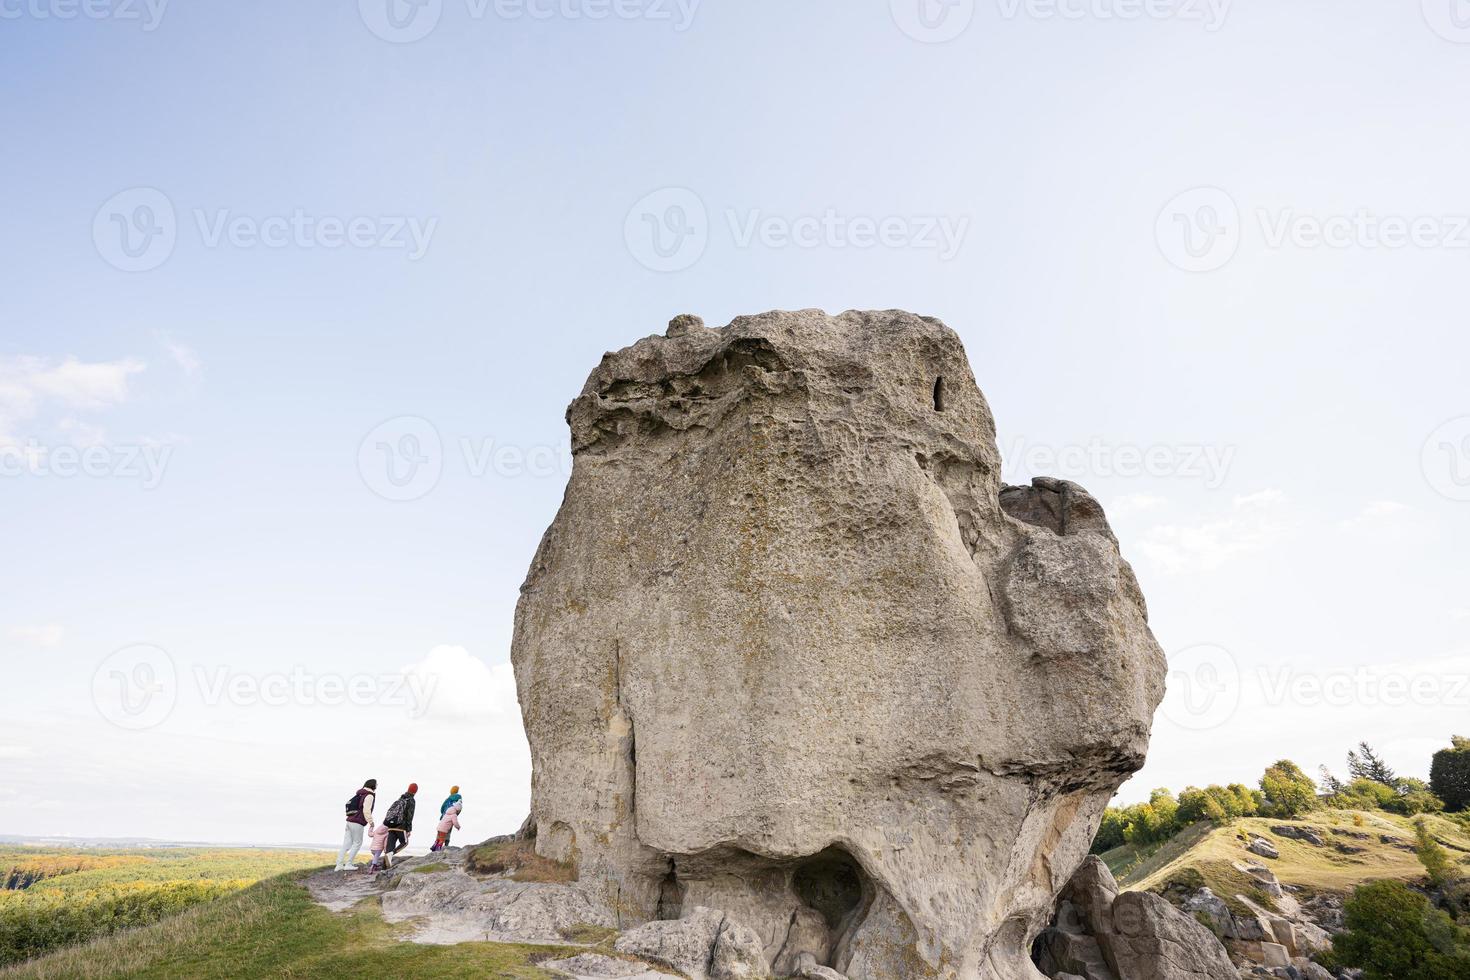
x: 52, y: 897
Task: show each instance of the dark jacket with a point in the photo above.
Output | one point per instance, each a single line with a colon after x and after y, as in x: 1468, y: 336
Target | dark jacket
x: 364, y: 810
x: 405, y: 821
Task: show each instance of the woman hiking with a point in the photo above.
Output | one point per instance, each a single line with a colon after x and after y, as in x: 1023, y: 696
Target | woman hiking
x: 359, y: 819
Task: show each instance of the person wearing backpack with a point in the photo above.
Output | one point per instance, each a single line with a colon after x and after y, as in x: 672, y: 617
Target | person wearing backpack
x: 359, y: 818
x: 399, y: 821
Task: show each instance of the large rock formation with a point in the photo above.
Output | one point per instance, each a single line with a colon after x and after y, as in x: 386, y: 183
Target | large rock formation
x: 789, y: 651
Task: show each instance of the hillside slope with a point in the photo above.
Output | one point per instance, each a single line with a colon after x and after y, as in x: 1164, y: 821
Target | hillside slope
x: 274, y: 929
x: 1358, y: 846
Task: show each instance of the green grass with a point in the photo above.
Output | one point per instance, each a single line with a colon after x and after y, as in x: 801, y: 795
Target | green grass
x: 273, y: 929
x: 64, y: 896
x: 429, y: 869
x: 1205, y: 854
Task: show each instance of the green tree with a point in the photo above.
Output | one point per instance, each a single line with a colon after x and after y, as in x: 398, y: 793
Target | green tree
x: 1289, y: 792
x: 1367, y: 764
x: 1437, y: 864
x: 1392, y: 933
x: 1414, y: 796
x: 1449, y: 774
x: 1197, y: 804
x: 1364, y: 794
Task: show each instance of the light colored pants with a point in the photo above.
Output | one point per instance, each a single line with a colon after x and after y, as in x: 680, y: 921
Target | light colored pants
x: 351, y: 844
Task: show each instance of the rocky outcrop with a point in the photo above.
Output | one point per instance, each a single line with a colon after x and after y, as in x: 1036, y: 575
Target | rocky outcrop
x: 1135, y: 935
x: 790, y: 651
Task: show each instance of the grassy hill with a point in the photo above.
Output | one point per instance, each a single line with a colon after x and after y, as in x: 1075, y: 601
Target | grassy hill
x: 1356, y: 851
x: 273, y: 929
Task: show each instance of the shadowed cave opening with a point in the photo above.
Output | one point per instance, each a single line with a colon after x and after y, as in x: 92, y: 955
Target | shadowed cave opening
x: 939, y: 394
x: 833, y: 883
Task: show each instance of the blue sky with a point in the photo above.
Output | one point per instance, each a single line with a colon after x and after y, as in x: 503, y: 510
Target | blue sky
x: 1208, y: 259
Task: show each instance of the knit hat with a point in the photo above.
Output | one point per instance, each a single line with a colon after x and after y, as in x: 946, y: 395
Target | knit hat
x: 453, y: 790
x: 370, y: 784
x: 413, y: 788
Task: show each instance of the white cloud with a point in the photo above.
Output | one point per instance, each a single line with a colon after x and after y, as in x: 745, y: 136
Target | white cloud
x: 1374, y: 513
x: 1261, y: 498
x: 459, y: 685
x: 1134, y: 503
x: 46, y: 636
x: 185, y: 357
x: 1251, y: 527
x: 28, y: 384
x: 16, y: 752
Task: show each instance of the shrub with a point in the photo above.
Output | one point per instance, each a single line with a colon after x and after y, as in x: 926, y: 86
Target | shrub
x: 1437, y: 864
x: 1392, y: 933
x: 1289, y: 792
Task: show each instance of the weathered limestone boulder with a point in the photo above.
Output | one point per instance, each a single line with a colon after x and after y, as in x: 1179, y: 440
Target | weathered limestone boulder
x: 706, y: 944
x: 791, y: 651
x: 1139, y: 934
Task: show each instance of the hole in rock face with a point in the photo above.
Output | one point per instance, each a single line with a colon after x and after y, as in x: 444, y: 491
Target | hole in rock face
x: 939, y: 394
x: 670, y: 896
x: 832, y: 883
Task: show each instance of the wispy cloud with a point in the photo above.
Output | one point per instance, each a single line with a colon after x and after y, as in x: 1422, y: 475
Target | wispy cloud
x: 185, y: 357
x: 29, y: 384
x: 1253, y: 525
x: 45, y: 636
x: 1377, y: 512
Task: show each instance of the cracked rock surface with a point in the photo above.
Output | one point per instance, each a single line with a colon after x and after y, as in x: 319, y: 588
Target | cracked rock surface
x: 790, y: 651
